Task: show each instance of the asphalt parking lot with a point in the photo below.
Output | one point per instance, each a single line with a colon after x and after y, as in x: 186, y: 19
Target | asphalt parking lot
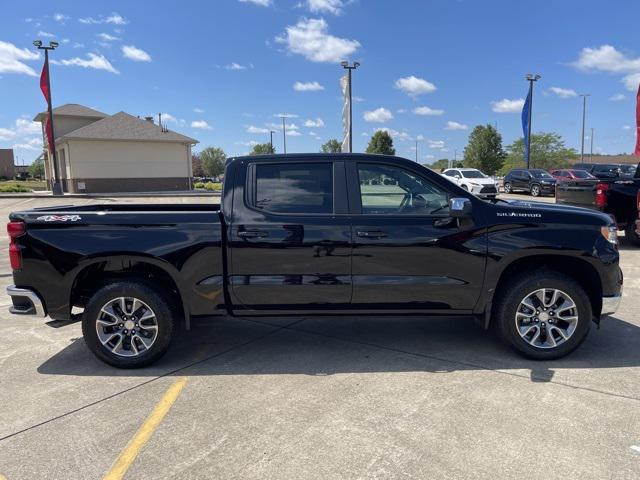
x: 319, y: 398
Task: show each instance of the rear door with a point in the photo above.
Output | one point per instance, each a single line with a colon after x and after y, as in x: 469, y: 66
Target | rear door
x: 290, y: 236
x: 408, y: 253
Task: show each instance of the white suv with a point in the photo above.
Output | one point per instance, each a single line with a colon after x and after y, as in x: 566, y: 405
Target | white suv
x: 473, y: 180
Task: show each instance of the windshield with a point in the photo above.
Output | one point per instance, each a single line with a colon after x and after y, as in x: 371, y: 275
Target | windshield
x: 628, y: 169
x: 473, y: 174
x: 540, y: 174
x: 581, y: 174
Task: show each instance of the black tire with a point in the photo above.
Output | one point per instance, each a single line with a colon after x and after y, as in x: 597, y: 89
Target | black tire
x: 165, y: 318
x: 507, y: 187
x: 535, y: 190
x: 630, y: 234
x: 519, y: 288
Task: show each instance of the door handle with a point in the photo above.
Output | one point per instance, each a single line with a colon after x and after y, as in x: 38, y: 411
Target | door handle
x: 253, y: 234
x: 371, y: 233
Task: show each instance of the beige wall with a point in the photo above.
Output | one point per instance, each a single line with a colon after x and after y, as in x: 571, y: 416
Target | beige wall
x: 118, y: 159
x: 64, y: 125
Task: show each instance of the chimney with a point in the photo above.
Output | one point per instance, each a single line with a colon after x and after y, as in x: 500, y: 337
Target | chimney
x: 149, y: 119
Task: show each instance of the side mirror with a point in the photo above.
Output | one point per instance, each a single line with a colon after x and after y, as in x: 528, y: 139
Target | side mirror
x: 460, y: 207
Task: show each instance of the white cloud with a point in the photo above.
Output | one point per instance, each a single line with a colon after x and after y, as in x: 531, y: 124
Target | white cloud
x: 456, y: 126
x: 317, y: 123
x: 427, y: 111
x: 563, y: 92
x: 60, y: 17
x: 106, y: 37
x: 287, y: 115
x: 113, y: 19
x: 293, y: 133
x: 397, y: 135
x: 626, y: 127
x: 78, y: 45
x: 414, y: 86
x: 234, y: 66
x: 307, y: 86
x: 45, y: 34
x: 607, y: 58
x: 98, y: 62
x: 135, y: 54
x: 256, y: 130
x: 326, y: 6
x: 436, y: 144
x: 201, y: 124
x: 198, y: 110
x: 507, y: 106
x: 12, y: 59
x: 168, y: 118
x: 250, y: 143
x: 618, y: 97
x: 22, y: 128
x: 27, y: 127
x: 379, y: 115
x: 632, y: 81
x: 262, y: 3
x: 310, y: 38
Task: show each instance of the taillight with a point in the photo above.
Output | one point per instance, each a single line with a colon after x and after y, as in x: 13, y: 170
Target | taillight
x: 601, y: 194
x: 15, y: 229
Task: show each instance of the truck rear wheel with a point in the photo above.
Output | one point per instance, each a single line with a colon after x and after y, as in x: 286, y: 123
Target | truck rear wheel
x: 128, y: 324
x: 630, y: 234
x: 544, y: 316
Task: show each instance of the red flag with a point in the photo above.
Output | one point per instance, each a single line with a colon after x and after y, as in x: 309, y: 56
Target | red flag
x: 637, y: 152
x: 44, y: 86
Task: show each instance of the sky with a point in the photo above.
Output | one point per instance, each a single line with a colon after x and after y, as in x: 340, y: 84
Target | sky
x: 223, y: 71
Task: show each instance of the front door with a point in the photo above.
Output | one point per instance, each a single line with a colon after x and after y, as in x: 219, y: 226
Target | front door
x: 408, y: 253
x: 290, y: 237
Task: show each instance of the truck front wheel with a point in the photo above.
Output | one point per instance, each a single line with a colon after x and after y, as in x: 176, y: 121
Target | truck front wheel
x: 544, y: 315
x: 128, y: 324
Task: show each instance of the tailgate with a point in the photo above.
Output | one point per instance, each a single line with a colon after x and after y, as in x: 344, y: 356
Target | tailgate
x: 581, y: 193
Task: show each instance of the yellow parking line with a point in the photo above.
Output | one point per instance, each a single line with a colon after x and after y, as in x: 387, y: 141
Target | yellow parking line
x: 142, y: 436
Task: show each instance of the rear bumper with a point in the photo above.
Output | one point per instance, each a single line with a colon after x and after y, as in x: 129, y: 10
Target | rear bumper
x: 611, y: 304
x: 25, y: 302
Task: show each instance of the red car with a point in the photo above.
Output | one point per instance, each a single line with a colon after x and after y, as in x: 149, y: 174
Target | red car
x: 567, y: 174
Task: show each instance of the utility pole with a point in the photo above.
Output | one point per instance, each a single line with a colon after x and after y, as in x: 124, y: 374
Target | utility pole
x: 584, y: 116
x: 531, y: 78
x: 284, y: 133
x: 56, y: 186
x: 591, y: 154
x: 346, y: 66
x: 271, y: 132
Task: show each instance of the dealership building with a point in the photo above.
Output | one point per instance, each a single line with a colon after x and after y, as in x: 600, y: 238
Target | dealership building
x: 100, y: 153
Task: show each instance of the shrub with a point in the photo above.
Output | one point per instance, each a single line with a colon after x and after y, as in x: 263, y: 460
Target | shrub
x: 199, y: 185
x: 214, y: 187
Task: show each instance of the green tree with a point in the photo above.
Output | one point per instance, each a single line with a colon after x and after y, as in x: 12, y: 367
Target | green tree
x: 548, y: 151
x: 262, y: 149
x: 332, y: 146
x: 443, y: 163
x: 484, y: 150
x: 36, y: 169
x: 213, y: 161
x: 381, y: 142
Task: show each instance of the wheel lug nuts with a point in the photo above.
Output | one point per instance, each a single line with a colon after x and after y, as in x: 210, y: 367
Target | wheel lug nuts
x: 126, y: 331
x: 121, y: 325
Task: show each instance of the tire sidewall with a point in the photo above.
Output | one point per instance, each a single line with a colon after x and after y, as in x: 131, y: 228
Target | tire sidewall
x: 535, y: 190
x: 164, y: 316
x: 507, y: 187
x: 519, y: 290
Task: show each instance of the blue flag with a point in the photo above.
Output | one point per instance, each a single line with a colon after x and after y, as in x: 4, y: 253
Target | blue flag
x: 525, y: 125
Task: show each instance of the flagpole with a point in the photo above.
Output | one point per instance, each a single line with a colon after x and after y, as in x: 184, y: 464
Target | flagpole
x: 346, y: 66
x: 56, y: 187
x: 531, y: 78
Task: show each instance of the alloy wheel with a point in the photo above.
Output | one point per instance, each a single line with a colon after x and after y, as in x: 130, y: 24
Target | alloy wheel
x: 546, y: 318
x: 127, y: 326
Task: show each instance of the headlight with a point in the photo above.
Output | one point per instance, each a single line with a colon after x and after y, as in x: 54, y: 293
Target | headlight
x: 610, y: 234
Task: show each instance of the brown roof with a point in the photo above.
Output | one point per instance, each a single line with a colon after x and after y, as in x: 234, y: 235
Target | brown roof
x: 125, y: 127
x: 71, y: 110
x: 610, y: 159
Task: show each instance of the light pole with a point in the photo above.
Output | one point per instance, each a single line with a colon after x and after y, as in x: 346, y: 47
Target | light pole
x: 284, y: 133
x: 56, y: 187
x: 271, y: 132
x: 531, y: 78
x: 591, y: 154
x: 584, y: 116
x: 348, y: 68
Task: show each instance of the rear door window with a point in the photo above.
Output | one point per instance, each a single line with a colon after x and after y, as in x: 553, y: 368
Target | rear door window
x: 296, y: 188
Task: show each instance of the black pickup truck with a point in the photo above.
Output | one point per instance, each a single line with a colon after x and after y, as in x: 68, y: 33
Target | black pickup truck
x: 317, y: 234
x: 616, y: 196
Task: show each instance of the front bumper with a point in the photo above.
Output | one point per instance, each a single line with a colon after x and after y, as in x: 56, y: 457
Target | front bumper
x: 611, y: 304
x: 25, y: 302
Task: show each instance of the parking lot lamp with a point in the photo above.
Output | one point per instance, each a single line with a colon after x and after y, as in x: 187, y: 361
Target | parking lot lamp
x: 584, y: 116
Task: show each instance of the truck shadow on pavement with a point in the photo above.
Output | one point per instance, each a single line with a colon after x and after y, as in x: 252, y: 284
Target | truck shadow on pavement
x: 333, y: 345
